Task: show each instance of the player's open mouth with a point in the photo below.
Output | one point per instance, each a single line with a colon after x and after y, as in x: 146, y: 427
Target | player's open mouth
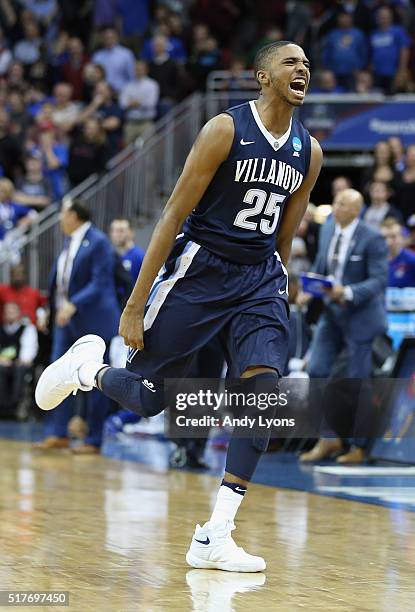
x: 298, y: 87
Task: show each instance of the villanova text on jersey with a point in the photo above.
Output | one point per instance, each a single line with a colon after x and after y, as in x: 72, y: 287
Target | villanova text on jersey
x: 238, y: 216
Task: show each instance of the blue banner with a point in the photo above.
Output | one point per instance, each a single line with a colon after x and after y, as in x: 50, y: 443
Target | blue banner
x: 344, y: 125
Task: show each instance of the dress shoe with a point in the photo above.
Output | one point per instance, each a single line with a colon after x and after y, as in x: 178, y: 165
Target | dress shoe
x: 52, y: 443
x: 85, y: 449
x: 325, y: 448
x: 355, y: 455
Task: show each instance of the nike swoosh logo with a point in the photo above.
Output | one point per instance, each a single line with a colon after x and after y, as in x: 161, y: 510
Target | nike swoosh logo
x: 147, y: 387
x: 248, y: 142
x: 281, y: 291
x: 240, y: 490
x: 207, y: 541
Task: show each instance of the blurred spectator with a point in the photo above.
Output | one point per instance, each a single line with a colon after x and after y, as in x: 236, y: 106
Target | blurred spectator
x: 104, y: 108
x: 44, y: 115
x: 6, y: 56
x: 390, y: 52
x: 118, y: 60
x: 92, y: 75
x: 174, y: 46
x: 382, y: 169
x: 398, y: 153
x: 105, y: 13
x: 299, y: 262
x: 33, y: 189
x: 406, y: 185
x: 238, y: 81
x: 122, y: 237
x: 164, y: 70
x: 134, y: 16
x: 364, y: 82
x: 379, y: 208
x: 18, y: 291
x: 340, y: 183
x: 43, y: 10
x: 12, y: 214
x: 16, y: 76
x: 309, y: 231
x: 299, y: 18
x: 88, y: 152
x: 410, y: 226
x: 206, y: 60
x: 327, y: 83
x: 18, y: 349
x: 345, y: 51
x: 73, y: 68
x: 19, y: 118
x: 272, y: 34
x: 55, y: 162
x: 139, y: 100
x: 65, y: 111
x: 10, y: 150
x: 401, y: 260
x: 28, y: 49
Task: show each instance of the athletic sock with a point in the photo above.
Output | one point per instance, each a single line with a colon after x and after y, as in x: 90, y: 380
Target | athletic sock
x: 229, y: 498
x: 88, y: 371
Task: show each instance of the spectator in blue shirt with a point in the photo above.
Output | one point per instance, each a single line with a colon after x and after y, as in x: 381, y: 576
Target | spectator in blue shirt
x: 345, y: 51
x: 174, y: 48
x: 121, y: 236
x: 401, y: 260
x: 55, y: 157
x: 389, y: 46
x: 12, y: 214
x: 326, y: 83
x: 119, y: 62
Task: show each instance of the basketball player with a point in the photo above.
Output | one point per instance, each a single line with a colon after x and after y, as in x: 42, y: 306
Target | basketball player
x: 241, y: 196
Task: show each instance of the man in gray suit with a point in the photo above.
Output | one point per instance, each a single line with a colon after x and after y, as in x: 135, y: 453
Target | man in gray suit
x: 354, y: 313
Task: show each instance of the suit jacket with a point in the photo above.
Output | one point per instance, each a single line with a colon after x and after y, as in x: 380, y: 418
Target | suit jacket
x: 91, y: 287
x: 366, y: 272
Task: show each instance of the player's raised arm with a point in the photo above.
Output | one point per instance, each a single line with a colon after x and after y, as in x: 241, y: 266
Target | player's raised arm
x: 297, y: 204
x: 210, y: 149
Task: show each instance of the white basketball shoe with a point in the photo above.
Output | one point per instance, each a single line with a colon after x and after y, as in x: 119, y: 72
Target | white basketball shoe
x: 60, y: 379
x: 212, y: 547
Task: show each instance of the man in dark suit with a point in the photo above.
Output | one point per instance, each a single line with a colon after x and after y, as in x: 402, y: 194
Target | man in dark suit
x: 83, y: 301
x: 354, y: 313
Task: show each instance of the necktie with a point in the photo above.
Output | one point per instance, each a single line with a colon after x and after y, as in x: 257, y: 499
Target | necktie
x: 65, y: 280
x: 334, y: 261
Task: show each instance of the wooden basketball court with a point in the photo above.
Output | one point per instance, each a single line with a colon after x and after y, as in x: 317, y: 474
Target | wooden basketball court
x: 114, y: 534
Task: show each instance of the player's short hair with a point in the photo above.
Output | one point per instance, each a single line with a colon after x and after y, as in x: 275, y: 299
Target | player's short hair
x: 80, y: 209
x: 264, y: 55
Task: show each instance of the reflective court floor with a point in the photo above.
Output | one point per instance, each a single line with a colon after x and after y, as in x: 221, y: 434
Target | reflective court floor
x: 114, y: 534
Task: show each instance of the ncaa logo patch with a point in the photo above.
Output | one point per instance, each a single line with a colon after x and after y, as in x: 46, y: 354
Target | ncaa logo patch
x: 297, y: 146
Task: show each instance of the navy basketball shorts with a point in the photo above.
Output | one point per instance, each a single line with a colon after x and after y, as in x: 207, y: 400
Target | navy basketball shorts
x: 197, y: 296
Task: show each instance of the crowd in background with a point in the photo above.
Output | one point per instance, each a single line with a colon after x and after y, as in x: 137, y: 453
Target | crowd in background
x: 80, y: 80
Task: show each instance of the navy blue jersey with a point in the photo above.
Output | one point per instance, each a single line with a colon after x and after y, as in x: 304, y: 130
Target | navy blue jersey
x: 238, y: 216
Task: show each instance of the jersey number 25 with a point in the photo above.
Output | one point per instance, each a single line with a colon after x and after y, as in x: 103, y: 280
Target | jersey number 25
x: 271, y: 208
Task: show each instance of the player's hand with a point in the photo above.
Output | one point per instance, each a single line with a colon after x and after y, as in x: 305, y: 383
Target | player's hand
x: 132, y: 327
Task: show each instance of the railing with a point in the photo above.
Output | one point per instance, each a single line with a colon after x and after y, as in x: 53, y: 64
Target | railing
x: 140, y: 178
x: 137, y: 182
